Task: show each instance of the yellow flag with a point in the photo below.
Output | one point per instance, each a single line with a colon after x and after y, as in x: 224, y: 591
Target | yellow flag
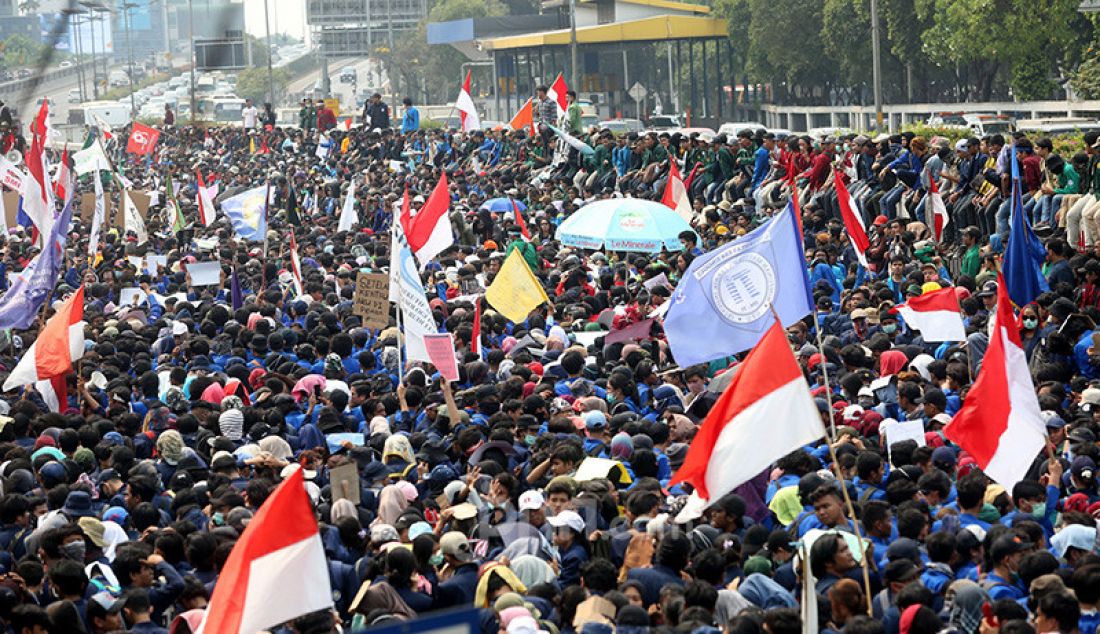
x: 516, y: 291
x: 252, y: 145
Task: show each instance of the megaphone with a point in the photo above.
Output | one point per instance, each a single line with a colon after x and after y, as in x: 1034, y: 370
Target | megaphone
x: 15, y: 156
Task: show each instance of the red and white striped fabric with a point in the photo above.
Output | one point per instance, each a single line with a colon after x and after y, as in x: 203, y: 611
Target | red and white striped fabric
x: 467, y: 111
x: 1000, y: 423
x: 937, y: 210
x: 936, y: 315
x: 277, y: 569
x: 59, y: 344
x: 475, y: 334
x: 765, y: 413
x: 38, y: 200
x: 557, y: 93
x: 63, y: 183
x: 676, y: 196
x: 295, y: 265
x: 206, y: 200
x: 429, y: 231
x: 853, y: 220
x: 520, y: 222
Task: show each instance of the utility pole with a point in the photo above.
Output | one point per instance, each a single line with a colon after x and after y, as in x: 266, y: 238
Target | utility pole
x: 194, y: 54
x: 270, y: 75
x: 574, y: 82
x: 876, y: 65
x: 130, y: 56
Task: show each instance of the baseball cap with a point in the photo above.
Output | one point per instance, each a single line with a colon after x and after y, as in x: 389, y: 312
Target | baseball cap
x: 1090, y: 398
x: 383, y: 533
x: 104, y: 603
x: 989, y: 289
x: 1007, y: 545
x: 456, y: 545
x: 1052, y: 419
x: 569, y: 519
x: 531, y: 501
x: 595, y: 419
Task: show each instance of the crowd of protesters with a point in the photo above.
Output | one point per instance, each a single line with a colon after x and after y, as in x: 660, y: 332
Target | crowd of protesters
x: 184, y: 413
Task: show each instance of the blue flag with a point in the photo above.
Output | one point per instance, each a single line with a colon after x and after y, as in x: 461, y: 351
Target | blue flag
x: 19, y: 306
x: 1024, y: 253
x: 235, y: 295
x: 248, y: 213
x: 723, y: 303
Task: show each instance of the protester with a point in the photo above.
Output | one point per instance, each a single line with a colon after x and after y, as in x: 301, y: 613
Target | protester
x: 540, y: 487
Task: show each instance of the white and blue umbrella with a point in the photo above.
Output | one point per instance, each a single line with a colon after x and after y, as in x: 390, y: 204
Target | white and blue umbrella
x: 623, y: 224
x: 502, y: 205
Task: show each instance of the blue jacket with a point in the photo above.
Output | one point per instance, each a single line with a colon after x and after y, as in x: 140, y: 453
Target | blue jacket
x: 653, y: 579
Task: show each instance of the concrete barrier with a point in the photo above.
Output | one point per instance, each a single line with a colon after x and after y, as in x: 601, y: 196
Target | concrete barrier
x: 17, y: 86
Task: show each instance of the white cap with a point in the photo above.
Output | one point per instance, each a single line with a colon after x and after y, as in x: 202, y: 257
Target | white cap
x: 531, y: 501
x: 568, y: 518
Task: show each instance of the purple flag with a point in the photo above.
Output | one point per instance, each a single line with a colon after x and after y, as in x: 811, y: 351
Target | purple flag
x: 235, y: 291
x: 20, y: 305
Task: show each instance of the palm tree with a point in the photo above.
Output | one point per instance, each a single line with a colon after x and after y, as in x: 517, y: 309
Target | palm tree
x: 28, y: 7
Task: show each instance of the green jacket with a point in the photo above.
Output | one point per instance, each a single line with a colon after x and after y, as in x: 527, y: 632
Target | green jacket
x: 601, y: 160
x: 1068, y: 181
x: 527, y: 250
x: 971, y: 262
x: 724, y: 165
x: 573, y: 119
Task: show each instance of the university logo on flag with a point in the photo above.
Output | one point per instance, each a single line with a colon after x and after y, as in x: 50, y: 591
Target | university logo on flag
x: 723, y: 303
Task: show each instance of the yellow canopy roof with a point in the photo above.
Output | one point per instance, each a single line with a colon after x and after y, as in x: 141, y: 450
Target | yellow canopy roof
x: 662, y: 27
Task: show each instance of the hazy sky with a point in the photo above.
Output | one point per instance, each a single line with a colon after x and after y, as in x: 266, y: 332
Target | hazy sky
x: 287, y: 16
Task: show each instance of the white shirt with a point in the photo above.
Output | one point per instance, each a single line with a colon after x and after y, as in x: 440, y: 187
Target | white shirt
x: 250, y: 113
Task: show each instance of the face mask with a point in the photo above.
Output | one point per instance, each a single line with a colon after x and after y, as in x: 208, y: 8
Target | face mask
x: 529, y: 440
x: 1031, y: 324
x: 74, y: 551
x: 890, y: 328
x: 436, y: 559
x: 217, y: 519
x: 1039, y: 511
x: 866, y: 403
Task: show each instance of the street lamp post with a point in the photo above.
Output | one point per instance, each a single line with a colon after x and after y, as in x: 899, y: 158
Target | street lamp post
x: 876, y: 65
x: 130, y: 55
x: 91, y: 31
x: 270, y: 75
x: 194, y: 55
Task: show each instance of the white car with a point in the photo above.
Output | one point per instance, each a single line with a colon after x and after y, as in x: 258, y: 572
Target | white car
x: 74, y: 95
x: 732, y: 128
x: 65, y: 64
x: 622, y: 126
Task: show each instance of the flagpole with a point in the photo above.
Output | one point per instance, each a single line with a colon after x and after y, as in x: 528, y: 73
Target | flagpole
x: 855, y: 524
x: 825, y: 378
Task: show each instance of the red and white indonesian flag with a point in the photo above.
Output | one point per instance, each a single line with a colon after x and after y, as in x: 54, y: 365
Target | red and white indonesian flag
x: 557, y: 93
x: 296, y: 264
x: 936, y: 315
x: 676, y: 196
x: 765, y: 413
x: 467, y: 111
x: 206, y: 200
x: 999, y: 423
x: 276, y: 571
x: 937, y: 209
x: 38, y: 195
x: 60, y: 343
x: 429, y: 231
x: 853, y: 220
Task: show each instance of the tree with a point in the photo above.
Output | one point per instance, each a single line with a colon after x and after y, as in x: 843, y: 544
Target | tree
x: 29, y: 7
x: 789, y: 52
x: 252, y: 83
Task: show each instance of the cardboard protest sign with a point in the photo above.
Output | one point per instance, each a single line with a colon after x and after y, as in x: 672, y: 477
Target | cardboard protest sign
x: 371, y: 299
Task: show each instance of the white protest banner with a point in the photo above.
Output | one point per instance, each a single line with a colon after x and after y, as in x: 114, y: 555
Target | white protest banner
x: 205, y: 273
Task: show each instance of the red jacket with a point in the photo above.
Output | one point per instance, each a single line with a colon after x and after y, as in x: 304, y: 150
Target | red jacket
x: 326, y: 119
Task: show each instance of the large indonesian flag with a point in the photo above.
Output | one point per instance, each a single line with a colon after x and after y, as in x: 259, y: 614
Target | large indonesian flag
x: 467, y: 111
x: 937, y: 209
x: 999, y: 423
x: 59, y: 344
x: 853, y: 220
x: 675, y: 196
x: 557, y: 93
x: 276, y: 571
x: 765, y: 413
x: 206, y: 200
x: 936, y: 315
x: 429, y: 231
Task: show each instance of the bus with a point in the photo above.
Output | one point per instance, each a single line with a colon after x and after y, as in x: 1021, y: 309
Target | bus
x: 225, y: 110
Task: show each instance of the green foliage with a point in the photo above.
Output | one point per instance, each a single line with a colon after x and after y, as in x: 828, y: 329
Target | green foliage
x: 121, y: 92
x: 1086, y: 81
x: 1031, y: 77
x: 252, y: 83
x: 789, y: 50
x: 19, y: 51
x: 848, y: 22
